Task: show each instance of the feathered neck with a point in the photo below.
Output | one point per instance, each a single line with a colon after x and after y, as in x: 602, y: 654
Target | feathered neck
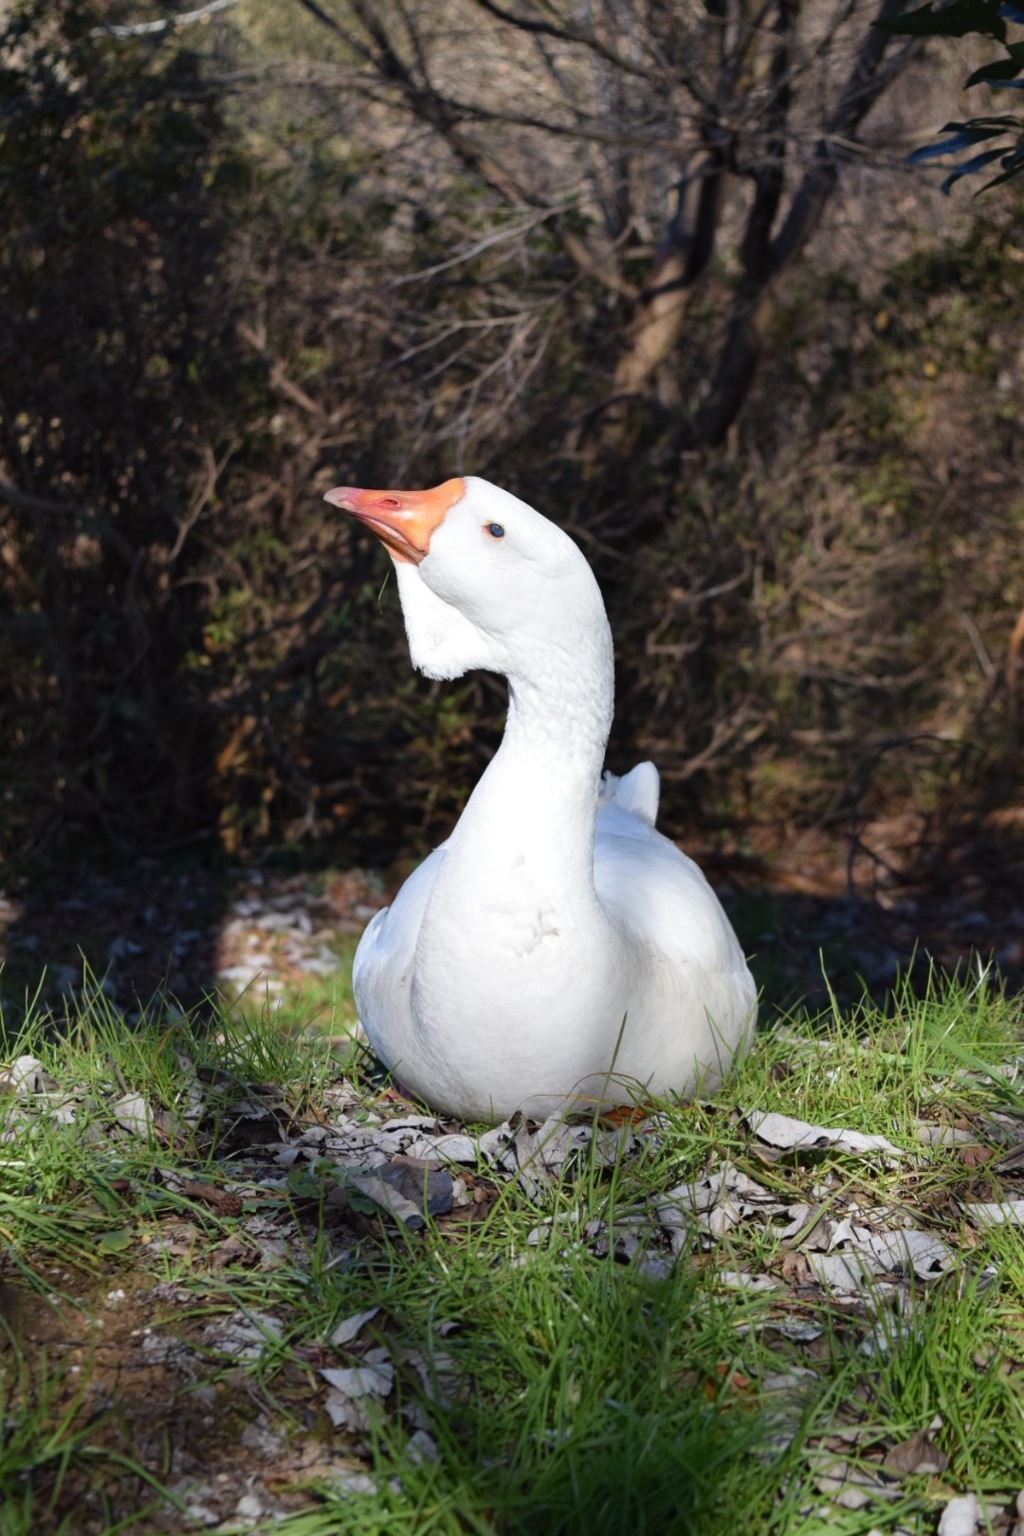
x: 535, y: 806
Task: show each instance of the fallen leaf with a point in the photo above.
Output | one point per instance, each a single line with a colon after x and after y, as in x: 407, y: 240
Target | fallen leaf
x: 851, y: 1487
x: 795, y: 1269
x: 233, y: 1250
x: 918, y: 1454
x: 994, y: 1213
x: 361, y: 1380
x: 725, y: 1381
x: 224, y: 1202
x: 907, y: 1249
x: 942, y: 1135
x: 851, y: 1270
x: 452, y: 1148
x: 352, y: 1326
x: 381, y: 1194
x: 792, y: 1135
x: 132, y: 1113
x: 961, y: 1516
x: 115, y: 1242
x: 345, y: 1414
x: 437, y: 1373
x: 246, y: 1335
x: 743, y: 1280
x: 25, y: 1075
x: 421, y: 1447
x: 427, y: 1186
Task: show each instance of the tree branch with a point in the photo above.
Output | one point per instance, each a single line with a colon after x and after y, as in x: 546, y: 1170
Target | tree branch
x: 565, y: 34
x: 145, y: 28
x: 755, y: 299
x: 91, y: 520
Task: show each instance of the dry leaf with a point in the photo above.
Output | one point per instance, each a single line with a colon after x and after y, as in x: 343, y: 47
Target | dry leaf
x: 918, y: 1454
x: 224, y: 1202
x: 795, y: 1135
x: 374, y: 1380
x: 233, y: 1250
x: 345, y: 1414
x: 994, y: 1213
x: 725, y: 1381
x: 133, y: 1114
x: 352, y: 1326
x: 795, y: 1269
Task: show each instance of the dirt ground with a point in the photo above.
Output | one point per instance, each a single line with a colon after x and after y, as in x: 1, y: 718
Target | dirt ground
x: 865, y: 903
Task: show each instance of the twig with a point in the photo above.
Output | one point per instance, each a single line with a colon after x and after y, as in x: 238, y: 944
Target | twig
x: 214, y: 470
x: 496, y: 237
x: 279, y: 380
x: 566, y: 33
x: 142, y: 28
x: 42, y: 504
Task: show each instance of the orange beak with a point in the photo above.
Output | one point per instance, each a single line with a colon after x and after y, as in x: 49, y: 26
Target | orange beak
x: 402, y: 520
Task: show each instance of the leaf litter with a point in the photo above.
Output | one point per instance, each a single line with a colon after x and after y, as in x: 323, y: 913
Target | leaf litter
x: 831, y: 1242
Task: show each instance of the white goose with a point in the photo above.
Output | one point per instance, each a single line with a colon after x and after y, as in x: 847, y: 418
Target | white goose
x: 556, y: 947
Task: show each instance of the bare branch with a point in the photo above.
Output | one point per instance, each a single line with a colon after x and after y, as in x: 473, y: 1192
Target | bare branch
x: 590, y: 265
x: 443, y: 116
x: 755, y: 300
x: 144, y: 28
x: 279, y: 380
x: 565, y: 34
x: 865, y: 84
x: 214, y: 469
x: 98, y: 525
x: 496, y: 237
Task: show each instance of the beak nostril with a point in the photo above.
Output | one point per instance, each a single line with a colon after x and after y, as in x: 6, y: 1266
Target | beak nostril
x: 392, y: 503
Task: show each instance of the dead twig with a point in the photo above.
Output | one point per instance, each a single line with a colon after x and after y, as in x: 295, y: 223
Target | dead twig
x: 279, y: 379
x: 44, y: 505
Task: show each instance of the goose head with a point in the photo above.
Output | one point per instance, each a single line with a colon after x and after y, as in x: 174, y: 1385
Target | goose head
x: 486, y: 582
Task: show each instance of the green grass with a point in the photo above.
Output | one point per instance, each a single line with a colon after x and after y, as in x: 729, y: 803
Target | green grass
x: 562, y: 1392
x: 313, y: 1002
x: 48, y: 1441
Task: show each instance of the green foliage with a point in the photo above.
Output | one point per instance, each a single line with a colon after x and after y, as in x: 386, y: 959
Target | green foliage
x: 183, y: 635
x: 984, y: 18
x: 846, y: 646
x: 116, y: 363
x: 227, y: 303
x: 955, y: 20
x: 980, y: 130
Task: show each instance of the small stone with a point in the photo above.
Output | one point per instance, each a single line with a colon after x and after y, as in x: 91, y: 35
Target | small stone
x: 249, y: 1507
x: 960, y: 1516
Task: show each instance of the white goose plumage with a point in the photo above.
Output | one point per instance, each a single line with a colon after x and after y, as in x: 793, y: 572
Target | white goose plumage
x: 556, y: 947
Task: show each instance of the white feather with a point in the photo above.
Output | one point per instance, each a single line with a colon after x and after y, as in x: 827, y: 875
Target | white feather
x: 557, y: 947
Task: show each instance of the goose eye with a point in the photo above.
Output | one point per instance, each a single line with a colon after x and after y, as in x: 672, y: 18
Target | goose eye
x: 495, y: 530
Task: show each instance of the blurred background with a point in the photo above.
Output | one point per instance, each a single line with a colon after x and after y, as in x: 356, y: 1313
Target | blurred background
x: 660, y: 268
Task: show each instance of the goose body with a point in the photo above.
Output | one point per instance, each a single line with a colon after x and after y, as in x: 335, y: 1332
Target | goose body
x: 557, y: 947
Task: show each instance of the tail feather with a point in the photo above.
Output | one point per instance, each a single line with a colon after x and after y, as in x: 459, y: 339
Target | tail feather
x: 637, y: 791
